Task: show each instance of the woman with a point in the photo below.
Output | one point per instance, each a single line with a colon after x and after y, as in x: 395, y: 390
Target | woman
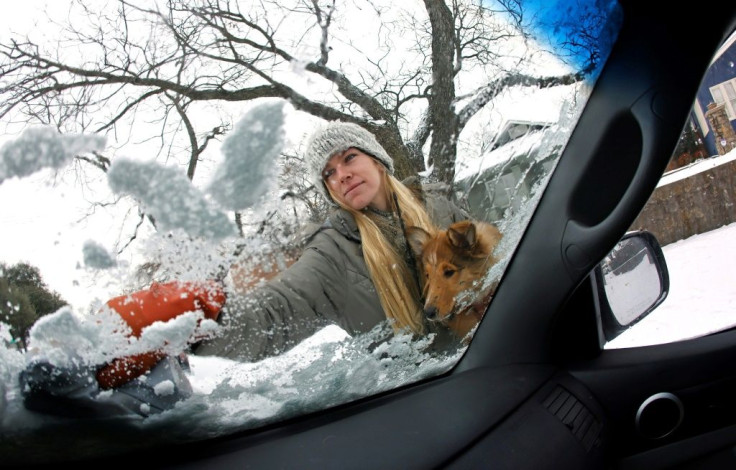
x: 356, y: 269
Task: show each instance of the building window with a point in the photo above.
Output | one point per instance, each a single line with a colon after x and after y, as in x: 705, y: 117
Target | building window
x: 725, y: 93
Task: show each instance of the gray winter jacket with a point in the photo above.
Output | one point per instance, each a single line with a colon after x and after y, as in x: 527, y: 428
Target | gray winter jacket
x: 329, y: 284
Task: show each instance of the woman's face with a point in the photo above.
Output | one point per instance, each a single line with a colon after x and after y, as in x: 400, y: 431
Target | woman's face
x: 356, y: 179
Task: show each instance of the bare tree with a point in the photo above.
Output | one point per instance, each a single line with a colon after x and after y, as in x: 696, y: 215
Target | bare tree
x: 132, y: 58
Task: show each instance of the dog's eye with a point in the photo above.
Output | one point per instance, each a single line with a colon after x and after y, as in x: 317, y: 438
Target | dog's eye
x: 449, y: 272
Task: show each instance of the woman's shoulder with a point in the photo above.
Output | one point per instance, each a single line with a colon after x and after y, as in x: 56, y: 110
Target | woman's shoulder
x: 338, y: 226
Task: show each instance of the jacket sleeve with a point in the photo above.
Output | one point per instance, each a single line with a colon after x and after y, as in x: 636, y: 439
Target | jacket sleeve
x: 291, y: 307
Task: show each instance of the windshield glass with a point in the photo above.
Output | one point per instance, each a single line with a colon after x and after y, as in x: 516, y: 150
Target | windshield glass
x: 218, y: 215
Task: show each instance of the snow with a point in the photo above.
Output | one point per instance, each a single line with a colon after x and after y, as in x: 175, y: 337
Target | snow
x: 43, y: 147
x: 251, y: 153
x: 75, y: 256
x: 696, y: 167
x: 96, y: 256
x: 164, y: 388
x: 167, y: 194
x: 323, y: 371
x: 521, y: 146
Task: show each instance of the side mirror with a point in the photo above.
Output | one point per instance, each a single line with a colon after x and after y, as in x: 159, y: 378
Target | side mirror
x: 630, y: 282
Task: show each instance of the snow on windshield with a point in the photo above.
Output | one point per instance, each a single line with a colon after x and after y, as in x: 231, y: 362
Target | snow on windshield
x: 245, y: 175
x: 325, y: 370
x: 250, y: 154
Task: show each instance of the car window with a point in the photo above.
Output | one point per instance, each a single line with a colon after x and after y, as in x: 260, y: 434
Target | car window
x: 159, y: 159
x: 691, y: 214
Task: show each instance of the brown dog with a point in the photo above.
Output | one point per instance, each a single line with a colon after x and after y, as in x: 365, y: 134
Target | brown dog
x: 454, y: 264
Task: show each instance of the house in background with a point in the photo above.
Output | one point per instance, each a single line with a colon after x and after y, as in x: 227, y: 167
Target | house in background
x: 505, y: 176
x: 517, y: 158
x: 714, y: 111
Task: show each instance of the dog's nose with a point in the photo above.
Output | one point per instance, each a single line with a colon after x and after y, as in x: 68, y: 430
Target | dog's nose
x: 430, y: 312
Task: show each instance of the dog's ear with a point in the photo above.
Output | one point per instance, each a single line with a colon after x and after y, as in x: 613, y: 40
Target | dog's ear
x: 462, y: 234
x: 417, y: 238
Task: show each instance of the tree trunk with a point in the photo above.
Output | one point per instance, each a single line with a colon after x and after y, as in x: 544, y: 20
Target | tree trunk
x: 443, y: 119
x: 390, y: 139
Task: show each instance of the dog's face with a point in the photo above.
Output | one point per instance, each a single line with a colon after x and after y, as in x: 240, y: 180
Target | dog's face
x: 453, y: 262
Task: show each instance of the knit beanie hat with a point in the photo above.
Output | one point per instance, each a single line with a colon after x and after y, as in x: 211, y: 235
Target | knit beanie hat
x: 335, y: 137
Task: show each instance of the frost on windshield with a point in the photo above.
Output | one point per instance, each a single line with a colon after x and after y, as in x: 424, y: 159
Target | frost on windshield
x: 325, y: 370
x: 246, y: 173
x: 66, y: 338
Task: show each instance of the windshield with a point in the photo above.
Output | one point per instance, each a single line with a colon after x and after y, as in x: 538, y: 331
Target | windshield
x: 177, y: 265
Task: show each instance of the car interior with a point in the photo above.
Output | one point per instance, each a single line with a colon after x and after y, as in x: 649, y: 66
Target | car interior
x: 536, y: 388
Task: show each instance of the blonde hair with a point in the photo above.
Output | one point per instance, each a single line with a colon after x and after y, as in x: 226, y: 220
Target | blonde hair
x: 394, y: 281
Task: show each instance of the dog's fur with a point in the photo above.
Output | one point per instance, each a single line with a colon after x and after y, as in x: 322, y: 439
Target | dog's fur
x: 453, y: 264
